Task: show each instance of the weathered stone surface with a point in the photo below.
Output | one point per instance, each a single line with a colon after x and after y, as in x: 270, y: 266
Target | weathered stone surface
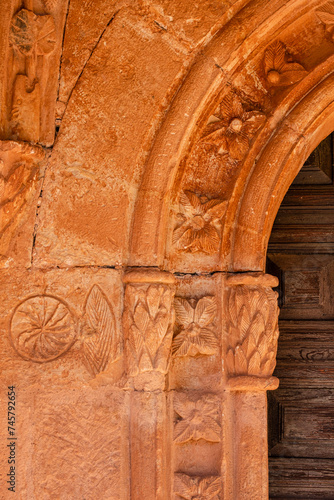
x: 31, y: 48
x: 21, y: 172
x: 180, y: 126
x: 91, y: 184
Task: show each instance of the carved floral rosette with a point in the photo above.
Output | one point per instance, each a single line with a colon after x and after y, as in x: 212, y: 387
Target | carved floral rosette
x: 148, y: 323
x: 252, y: 331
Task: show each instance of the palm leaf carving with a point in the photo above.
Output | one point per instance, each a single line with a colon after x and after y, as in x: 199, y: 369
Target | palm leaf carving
x: 148, y: 322
x: 102, y: 342
x: 253, y: 331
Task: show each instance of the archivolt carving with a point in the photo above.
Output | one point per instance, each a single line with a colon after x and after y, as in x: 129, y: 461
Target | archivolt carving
x: 198, y: 419
x: 280, y: 69
x: 195, y: 327
x: 198, y: 227
x: 148, y: 325
x: 232, y: 127
x: 326, y: 16
x: 195, y: 487
x: 252, y: 331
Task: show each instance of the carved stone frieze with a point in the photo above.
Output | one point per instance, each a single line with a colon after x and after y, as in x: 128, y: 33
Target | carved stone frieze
x: 232, y: 127
x: 280, y: 68
x: 195, y: 328
x: 148, y: 322
x: 198, y: 223
x: 43, y: 328
x: 197, y: 418
x: 252, y: 326
x: 196, y: 487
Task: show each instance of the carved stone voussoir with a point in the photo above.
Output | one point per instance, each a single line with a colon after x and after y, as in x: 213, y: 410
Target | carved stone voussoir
x: 198, y: 224
x: 280, y: 68
x: 148, y: 325
x: 326, y: 16
x: 252, y: 331
x: 232, y: 127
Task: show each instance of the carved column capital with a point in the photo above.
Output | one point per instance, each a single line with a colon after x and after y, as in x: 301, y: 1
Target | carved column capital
x: 148, y: 326
x: 252, y: 331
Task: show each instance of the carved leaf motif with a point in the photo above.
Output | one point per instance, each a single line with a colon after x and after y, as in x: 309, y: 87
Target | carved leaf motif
x: 46, y: 35
x: 326, y: 16
x: 42, y: 328
x: 279, y: 71
x: 198, y: 229
x: 199, y: 419
x: 101, y: 342
x: 31, y: 33
x: 195, y: 332
x: 235, y: 127
x: 147, y: 321
x: 195, y: 487
x: 253, y: 331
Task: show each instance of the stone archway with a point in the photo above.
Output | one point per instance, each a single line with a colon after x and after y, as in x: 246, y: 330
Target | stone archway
x: 148, y: 239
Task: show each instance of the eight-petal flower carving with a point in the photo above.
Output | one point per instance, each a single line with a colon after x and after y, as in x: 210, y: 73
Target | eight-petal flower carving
x: 233, y: 127
x: 195, y: 325
x: 42, y: 328
x: 279, y: 71
x: 196, y: 487
x: 198, y: 419
x: 198, y: 229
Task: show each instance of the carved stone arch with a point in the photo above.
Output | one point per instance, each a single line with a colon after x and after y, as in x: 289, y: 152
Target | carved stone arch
x: 299, y: 117
x: 212, y: 76
x: 171, y: 357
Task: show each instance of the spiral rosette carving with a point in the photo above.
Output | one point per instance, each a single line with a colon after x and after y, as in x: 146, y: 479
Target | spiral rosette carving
x: 42, y: 328
x: 252, y: 331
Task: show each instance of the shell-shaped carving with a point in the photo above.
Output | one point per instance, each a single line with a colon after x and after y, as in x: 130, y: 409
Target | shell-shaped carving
x: 30, y: 33
x: 42, y: 328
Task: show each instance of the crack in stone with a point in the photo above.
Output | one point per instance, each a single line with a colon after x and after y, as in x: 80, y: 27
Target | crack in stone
x: 92, y: 52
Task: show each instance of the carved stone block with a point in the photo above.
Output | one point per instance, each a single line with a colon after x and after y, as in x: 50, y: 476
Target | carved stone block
x: 252, y: 326
x: 35, y: 33
x: 21, y: 172
x: 148, y: 323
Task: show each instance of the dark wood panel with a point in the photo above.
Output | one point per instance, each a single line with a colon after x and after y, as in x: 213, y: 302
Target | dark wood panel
x: 318, y: 167
x: 301, y: 411
x: 306, y: 285
x: 301, y: 479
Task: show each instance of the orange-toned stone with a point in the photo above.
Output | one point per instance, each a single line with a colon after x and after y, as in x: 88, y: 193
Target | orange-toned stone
x: 181, y: 126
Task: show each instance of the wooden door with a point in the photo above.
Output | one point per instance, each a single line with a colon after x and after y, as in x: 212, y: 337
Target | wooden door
x: 301, y: 411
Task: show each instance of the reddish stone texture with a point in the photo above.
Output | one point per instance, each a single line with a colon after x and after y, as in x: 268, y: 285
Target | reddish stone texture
x: 138, y: 326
